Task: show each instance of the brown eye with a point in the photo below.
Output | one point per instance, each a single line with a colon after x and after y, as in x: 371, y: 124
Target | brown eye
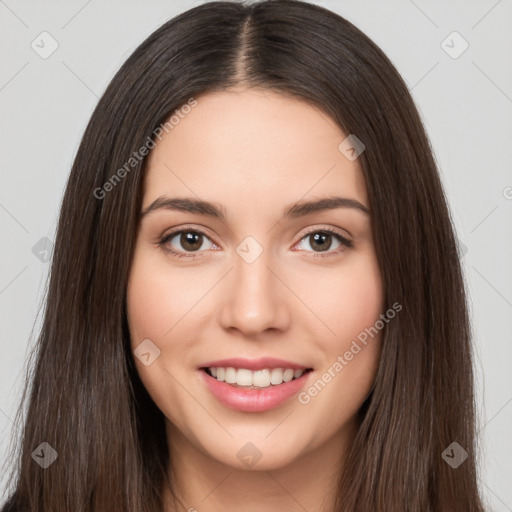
x: 320, y: 241
x: 191, y: 240
x: 184, y: 241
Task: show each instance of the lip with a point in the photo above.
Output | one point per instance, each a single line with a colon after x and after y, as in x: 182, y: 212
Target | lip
x: 253, y: 400
x: 253, y: 364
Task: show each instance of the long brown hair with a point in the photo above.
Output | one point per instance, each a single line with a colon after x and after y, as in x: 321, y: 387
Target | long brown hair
x: 84, y: 395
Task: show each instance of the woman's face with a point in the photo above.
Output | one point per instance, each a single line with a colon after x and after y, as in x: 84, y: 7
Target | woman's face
x: 256, y: 284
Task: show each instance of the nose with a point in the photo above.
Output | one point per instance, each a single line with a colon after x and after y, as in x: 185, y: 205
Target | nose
x: 254, y: 298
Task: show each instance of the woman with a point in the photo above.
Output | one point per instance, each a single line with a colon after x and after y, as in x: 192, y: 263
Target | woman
x: 255, y: 300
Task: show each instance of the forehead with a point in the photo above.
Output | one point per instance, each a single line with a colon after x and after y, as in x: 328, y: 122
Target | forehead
x: 252, y: 146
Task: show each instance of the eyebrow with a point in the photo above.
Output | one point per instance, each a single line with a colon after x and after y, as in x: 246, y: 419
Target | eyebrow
x: 300, y: 209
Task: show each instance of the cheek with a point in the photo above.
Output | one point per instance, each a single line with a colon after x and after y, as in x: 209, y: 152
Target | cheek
x: 352, y: 351
x: 154, y: 310
x: 158, y: 298
x: 360, y: 301
x: 350, y: 300
x: 352, y: 305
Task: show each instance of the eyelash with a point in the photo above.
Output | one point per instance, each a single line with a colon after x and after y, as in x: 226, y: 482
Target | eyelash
x: 345, y: 242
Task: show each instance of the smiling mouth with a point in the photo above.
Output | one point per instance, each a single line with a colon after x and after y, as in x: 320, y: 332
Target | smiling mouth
x: 258, y: 379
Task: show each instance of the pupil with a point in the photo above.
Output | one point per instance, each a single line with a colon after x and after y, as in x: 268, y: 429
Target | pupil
x: 189, y: 239
x: 320, y: 238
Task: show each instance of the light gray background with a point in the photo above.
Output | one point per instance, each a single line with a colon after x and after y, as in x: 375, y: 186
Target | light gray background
x: 465, y: 102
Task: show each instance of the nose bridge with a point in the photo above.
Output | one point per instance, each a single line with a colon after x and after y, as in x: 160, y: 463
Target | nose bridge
x: 254, y: 300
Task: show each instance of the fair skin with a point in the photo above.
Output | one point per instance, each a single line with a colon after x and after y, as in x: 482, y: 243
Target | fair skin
x: 255, y: 153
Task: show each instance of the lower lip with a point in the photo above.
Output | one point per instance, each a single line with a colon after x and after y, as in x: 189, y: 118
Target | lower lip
x: 253, y: 400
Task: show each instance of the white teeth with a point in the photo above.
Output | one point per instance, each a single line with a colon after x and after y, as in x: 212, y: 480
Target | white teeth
x: 259, y: 378
x: 276, y: 376
x: 288, y: 375
x: 230, y: 376
x: 243, y: 377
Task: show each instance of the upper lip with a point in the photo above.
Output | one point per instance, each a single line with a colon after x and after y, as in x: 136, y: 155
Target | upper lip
x: 253, y: 364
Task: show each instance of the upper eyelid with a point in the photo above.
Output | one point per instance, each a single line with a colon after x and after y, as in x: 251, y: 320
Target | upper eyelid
x: 185, y: 229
